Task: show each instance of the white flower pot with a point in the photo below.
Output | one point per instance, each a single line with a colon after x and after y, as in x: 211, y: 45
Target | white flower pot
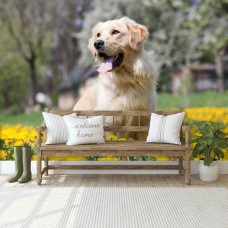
x: 209, y: 173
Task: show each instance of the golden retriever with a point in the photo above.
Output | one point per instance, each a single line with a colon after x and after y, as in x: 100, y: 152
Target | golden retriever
x: 128, y: 74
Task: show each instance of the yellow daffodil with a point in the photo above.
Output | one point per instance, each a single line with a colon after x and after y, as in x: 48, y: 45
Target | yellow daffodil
x: 109, y: 158
x: 76, y: 158
x: 161, y: 158
x: 19, y: 143
x: 34, y: 158
x: 3, y: 154
x: 112, y: 137
x: 173, y: 159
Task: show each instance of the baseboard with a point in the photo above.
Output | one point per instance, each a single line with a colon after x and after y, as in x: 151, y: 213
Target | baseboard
x: 7, y: 167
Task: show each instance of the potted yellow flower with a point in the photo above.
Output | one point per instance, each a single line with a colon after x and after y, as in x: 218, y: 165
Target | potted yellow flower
x: 209, y: 141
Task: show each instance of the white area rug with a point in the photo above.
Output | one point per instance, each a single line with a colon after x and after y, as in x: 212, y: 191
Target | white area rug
x: 40, y: 206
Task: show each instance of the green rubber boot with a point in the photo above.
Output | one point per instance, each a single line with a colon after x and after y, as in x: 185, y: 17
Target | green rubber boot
x: 18, y: 164
x: 26, y: 158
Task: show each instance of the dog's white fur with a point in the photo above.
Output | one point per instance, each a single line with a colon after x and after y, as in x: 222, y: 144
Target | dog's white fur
x: 131, y: 86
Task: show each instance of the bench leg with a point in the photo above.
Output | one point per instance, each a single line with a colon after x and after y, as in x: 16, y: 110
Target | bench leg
x: 188, y: 168
x: 180, y: 166
x: 38, y: 167
x: 46, y: 165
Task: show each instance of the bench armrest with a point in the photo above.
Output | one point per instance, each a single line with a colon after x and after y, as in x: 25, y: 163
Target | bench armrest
x: 39, y: 129
x: 187, y: 129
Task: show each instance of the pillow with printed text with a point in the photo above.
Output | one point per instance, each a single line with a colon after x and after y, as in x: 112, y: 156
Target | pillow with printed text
x: 85, y: 131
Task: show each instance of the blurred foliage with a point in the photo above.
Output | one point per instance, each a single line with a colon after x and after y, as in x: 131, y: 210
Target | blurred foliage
x: 209, y: 19
x: 25, y: 48
x: 39, y: 35
x: 13, y: 72
x: 54, y: 35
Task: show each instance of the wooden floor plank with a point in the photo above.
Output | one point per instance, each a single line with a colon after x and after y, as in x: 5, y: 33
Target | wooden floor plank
x: 119, y: 180
x: 104, y: 180
x: 134, y: 180
x: 109, y: 180
x: 148, y: 180
x: 89, y: 180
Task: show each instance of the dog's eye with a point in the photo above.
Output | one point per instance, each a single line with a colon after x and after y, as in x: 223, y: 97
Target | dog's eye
x: 115, y: 32
x: 98, y: 34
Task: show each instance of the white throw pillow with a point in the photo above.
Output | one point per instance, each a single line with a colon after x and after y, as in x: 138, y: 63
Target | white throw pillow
x: 57, y: 131
x: 85, y: 131
x: 165, y: 129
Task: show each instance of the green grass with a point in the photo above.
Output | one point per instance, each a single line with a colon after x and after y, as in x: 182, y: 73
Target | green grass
x: 207, y: 99
x: 25, y: 119
x: 165, y: 102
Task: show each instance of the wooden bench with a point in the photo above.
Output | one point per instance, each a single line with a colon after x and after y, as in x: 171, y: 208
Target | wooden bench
x: 115, y: 148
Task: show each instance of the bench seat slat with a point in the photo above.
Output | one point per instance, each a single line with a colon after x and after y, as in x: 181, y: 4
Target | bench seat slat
x: 147, y: 153
x: 120, y: 167
x: 117, y: 146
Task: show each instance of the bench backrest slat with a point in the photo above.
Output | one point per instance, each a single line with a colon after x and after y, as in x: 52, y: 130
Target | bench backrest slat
x: 126, y: 128
x: 114, y: 113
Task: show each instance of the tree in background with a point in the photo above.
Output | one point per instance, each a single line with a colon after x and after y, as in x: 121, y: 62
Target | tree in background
x: 69, y: 21
x: 172, y: 41
x: 29, y: 25
x: 209, y: 19
x: 13, y: 73
x: 41, y: 31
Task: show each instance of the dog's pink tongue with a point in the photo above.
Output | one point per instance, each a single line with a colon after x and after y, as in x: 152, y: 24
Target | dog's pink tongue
x: 105, y: 66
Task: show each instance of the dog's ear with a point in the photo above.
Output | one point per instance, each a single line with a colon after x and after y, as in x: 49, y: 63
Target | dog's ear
x: 137, y: 33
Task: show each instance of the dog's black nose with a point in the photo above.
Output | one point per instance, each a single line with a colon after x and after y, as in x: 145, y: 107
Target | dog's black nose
x: 98, y: 44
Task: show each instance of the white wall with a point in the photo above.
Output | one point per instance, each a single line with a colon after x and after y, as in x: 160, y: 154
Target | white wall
x: 7, y: 167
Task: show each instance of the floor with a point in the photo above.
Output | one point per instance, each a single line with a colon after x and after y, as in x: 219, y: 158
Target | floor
x: 107, y: 180
x: 115, y: 201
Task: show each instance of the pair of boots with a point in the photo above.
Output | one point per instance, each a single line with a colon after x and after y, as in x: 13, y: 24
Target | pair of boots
x: 22, y: 172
